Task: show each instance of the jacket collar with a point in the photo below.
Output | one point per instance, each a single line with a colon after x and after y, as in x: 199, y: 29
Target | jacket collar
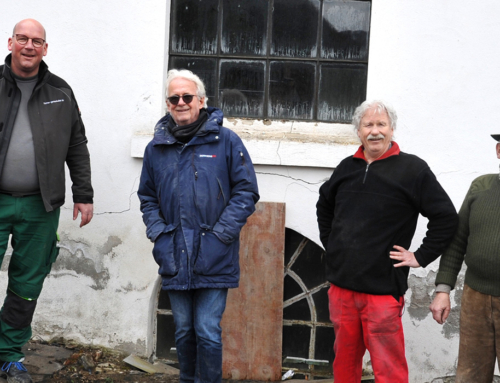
x: 393, y: 151
x: 162, y: 135
x: 43, y: 70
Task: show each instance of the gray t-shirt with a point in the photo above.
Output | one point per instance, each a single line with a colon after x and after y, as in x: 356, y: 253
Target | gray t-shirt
x: 19, y: 175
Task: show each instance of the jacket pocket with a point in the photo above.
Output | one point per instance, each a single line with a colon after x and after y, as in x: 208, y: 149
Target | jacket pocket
x: 214, y: 256
x: 164, y: 254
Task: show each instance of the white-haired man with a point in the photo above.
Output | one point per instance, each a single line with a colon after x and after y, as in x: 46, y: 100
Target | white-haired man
x: 197, y: 189
x: 367, y: 215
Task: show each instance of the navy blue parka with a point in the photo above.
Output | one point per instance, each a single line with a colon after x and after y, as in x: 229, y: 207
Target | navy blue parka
x: 195, y: 198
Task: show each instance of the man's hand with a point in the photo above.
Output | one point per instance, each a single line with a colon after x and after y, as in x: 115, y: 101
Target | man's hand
x: 406, y: 257
x: 87, y: 210
x: 440, y: 307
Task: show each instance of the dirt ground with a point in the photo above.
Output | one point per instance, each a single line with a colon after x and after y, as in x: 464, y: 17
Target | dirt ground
x: 61, y: 362
x: 66, y: 362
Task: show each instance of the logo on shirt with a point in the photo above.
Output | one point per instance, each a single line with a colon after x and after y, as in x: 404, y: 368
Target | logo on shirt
x: 53, y: 102
x: 207, y: 156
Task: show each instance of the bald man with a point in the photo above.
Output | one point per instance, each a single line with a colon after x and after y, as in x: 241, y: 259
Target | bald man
x: 40, y: 130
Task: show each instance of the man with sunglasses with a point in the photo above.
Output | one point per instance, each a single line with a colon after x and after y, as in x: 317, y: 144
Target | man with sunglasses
x: 197, y: 189
x: 40, y: 130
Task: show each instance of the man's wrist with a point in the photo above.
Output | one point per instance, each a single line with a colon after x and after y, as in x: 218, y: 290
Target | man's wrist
x: 443, y: 288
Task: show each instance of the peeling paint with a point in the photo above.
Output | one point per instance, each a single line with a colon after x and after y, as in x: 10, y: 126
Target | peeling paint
x: 72, y: 258
x: 452, y: 325
x: 112, y: 242
x: 422, y: 295
x: 129, y: 288
x: 422, y: 289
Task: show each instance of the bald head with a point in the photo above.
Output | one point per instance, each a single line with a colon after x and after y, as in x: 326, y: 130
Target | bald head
x: 26, y: 57
x: 31, y: 22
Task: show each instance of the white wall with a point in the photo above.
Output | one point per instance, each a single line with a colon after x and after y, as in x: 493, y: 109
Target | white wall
x: 435, y: 61
x: 112, y: 53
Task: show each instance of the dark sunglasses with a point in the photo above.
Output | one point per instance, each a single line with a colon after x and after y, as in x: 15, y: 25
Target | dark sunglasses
x: 187, y: 98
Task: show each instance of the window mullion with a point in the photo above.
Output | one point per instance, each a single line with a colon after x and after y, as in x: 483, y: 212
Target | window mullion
x: 219, y: 50
x: 318, y: 57
x: 268, y: 61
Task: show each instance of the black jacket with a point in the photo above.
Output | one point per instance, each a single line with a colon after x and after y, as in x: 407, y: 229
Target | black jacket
x: 364, y: 210
x: 58, y: 134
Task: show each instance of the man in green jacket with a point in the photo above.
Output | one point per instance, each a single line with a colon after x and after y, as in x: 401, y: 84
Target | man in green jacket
x: 40, y: 131
x: 477, y: 240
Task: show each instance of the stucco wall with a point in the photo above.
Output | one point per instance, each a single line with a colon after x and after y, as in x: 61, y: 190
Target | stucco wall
x: 433, y: 60
x: 112, y: 54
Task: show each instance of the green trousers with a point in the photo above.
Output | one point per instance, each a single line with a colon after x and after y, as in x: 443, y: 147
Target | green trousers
x: 34, y: 243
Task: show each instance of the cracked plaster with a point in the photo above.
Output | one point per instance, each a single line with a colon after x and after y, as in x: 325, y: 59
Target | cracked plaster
x: 422, y: 294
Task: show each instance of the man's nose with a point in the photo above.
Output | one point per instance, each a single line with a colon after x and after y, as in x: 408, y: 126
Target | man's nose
x: 29, y: 44
x: 181, y: 101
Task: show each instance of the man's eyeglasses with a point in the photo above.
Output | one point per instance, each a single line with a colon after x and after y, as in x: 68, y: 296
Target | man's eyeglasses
x: 187, y: 98
x: 23, y: 40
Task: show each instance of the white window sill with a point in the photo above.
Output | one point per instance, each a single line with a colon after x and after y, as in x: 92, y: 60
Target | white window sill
x: 286, y: 143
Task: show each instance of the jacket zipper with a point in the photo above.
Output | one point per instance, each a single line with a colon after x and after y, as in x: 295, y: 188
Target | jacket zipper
x: 194, y: 166
x: 366, y: 173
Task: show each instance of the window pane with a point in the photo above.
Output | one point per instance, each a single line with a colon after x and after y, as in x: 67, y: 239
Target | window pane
x: 241, y: 88
x: 291, y: 90
x: 342, y: 89
x: 295, y: 28
x: 194, y: 26
x: 204, y: 68
x: 165, y: 337
x: 345, y: 30
x: 244, y: 27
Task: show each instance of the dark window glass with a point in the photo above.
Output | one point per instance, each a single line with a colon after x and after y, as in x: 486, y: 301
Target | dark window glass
x: 291, y: 90
x: 298, y: 311
x: 310, y: 265
x: 205, y: 68
x: 280, y: 59
x: 322, y: 305
x: 295, y: 28
x: 244, y: 27
x: 296, y: 341
x: 342, y: 88
x: 165, y: 336
x: 345, y: 30
x: 325, y: 337
x: 194, y: 26
x: 306, y: 320
x: 241, y: 89
x: 164, y: 301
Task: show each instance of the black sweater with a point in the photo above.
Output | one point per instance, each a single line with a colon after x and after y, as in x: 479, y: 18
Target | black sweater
x: 364, y: 210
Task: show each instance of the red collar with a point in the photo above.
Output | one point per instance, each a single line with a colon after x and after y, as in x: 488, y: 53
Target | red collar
x: 393, y: 151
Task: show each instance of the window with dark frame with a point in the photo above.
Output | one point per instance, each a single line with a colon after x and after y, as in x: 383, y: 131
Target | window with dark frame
x: 275, y: 59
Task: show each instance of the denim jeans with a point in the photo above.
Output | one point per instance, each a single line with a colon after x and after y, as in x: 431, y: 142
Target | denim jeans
x: 198, y: 335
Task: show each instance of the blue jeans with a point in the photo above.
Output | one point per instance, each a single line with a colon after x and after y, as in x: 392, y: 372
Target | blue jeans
x: 198, y: 335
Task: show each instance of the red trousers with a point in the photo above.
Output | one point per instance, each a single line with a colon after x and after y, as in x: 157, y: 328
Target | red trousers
x: 364, y: 321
